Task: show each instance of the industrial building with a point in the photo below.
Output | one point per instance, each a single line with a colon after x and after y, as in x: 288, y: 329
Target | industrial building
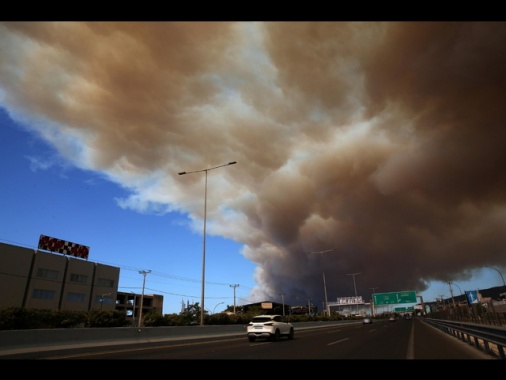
x: 64, y: 279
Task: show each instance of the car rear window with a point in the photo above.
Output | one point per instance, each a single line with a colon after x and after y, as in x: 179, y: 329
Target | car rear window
x: 261, y: 319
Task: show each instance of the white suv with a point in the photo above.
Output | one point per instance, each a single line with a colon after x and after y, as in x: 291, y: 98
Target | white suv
x: 269, y: 326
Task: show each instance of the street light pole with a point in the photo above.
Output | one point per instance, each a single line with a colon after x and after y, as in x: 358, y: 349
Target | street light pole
x: 144, y: 273
x: 500, y: 274
x: 204, y: 237
x: 217, y: 306
x: 460, y: 290
x: 283, y: 302
x: 354, y: 285
x: 451, y: 293
x: 327, y: 310
x: 133, y: 309
x: 102, y: 299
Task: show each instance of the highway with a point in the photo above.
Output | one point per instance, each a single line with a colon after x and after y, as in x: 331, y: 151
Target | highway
x: 382, y: 340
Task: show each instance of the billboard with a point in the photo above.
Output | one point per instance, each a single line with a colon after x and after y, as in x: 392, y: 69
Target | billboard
x: 48, y: 243
x: 392, y: 298
x: 350, y: 301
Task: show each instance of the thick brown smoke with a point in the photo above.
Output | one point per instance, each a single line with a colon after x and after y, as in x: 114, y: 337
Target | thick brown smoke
x: 383, y: 140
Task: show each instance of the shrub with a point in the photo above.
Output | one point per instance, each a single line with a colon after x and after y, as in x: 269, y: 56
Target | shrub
x: 106, y: 318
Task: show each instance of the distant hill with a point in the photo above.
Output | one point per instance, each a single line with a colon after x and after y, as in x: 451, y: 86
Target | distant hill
x: 492, y: 293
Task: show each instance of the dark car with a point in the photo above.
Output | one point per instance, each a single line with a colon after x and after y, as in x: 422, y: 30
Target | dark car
x: 367, y: 321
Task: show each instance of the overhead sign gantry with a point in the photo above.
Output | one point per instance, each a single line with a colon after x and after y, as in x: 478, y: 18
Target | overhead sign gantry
x: 394, y: 298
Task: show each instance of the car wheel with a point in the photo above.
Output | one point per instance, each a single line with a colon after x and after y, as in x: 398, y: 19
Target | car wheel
x: 251, y: 338
x: 275, y: 336
x: 291, y: 334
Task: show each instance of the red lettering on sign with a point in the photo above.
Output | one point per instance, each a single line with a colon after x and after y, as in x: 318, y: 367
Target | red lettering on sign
x: 82, y: 252
x: 62, y: 246
x: 43, y: 241
x: 51, y: 245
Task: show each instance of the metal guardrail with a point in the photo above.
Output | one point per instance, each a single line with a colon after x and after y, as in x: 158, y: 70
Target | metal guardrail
x: 490, y: 339
x: 471, y: 315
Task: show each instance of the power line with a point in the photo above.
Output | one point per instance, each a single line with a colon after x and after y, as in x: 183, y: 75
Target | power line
x: 134, y: 269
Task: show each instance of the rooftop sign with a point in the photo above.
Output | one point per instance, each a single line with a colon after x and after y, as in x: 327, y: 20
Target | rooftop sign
x: 64, y: 247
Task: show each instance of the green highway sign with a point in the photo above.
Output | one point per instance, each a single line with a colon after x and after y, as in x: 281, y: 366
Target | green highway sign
x: 394, y: 298
x: 402, y: 309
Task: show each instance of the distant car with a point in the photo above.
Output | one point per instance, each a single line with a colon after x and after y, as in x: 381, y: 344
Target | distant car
x: 271, y: 327
x: 392, y: 319
x: 367, y: 321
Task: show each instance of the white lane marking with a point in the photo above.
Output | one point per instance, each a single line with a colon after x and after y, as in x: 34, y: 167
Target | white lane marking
x: 339, y: 341
x: 411, y: 344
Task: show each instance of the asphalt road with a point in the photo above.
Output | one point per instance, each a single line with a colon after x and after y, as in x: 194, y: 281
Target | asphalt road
x: 383, y: 340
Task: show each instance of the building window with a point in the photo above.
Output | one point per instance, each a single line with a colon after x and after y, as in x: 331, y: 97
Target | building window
x: 106, y: 299
x: 75, y: 297
x: 43, y: 294
x: 47, y: 273
x: 78, y: 278
x: 104, y: 282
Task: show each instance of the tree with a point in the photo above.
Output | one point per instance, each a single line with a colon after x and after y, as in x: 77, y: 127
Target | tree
x: 154, y: 318
x: 191, y: 314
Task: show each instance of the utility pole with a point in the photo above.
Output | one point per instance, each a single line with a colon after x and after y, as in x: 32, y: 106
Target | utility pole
x: 441, y: 300
x: 423, y: 306
x: 283, y: 301
x: 144, y: 273
x: 234, y: 286
x: 372, y: 303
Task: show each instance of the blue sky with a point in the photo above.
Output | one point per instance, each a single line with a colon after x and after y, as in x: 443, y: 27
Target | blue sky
x: 44, y: 195
x: 344, y: 138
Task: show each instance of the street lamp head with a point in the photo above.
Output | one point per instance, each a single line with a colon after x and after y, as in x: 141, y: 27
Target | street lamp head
x: 326, y: 251
x: 232, y: 162
x: 181, y: 173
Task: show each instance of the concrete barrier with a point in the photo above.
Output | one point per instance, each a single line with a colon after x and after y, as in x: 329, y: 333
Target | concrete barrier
x: 33, y: 340
x: 19, y: 341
